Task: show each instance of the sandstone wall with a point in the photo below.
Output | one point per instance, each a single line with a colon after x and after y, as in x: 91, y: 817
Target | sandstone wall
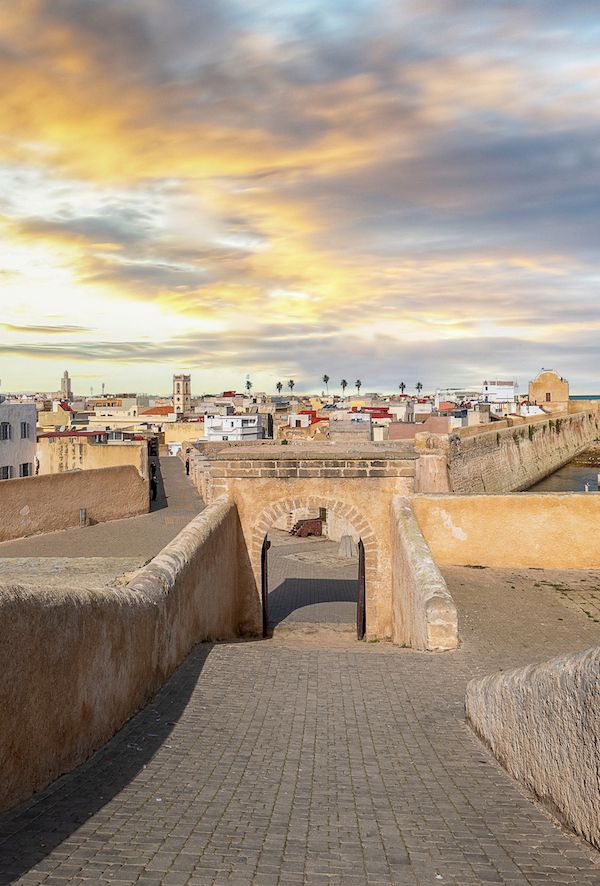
x: 543, y: 530
x: 541, y: 722
x: 512, y: 459
x: 48, y: 502
x: 424, y: 615
x: 79, y: 454
x: 74, y: 666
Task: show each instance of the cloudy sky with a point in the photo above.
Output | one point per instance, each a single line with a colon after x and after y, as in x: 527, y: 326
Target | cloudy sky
x: 404, y: 191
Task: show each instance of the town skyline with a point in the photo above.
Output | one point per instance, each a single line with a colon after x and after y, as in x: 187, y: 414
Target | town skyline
x: 253, y: 189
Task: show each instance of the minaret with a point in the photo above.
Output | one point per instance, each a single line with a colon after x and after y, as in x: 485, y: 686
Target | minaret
x: 182, y: 394
x: 65, y: 387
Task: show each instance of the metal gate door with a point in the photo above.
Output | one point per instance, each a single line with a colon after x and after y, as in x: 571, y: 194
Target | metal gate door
x: 264, y: 585
x: 361, y: 622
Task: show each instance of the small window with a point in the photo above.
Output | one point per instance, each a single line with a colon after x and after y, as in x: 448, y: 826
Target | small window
x: 26, y: 469
x: 5, y: 431
x: 6, y: 472
x: 548, y: 397
x: 25, y: 430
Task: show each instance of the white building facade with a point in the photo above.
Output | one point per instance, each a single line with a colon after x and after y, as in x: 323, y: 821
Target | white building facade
x: 18, y: 440
x: 233, y: 427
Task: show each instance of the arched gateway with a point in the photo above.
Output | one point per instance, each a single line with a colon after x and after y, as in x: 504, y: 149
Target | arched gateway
x: 358, y: 487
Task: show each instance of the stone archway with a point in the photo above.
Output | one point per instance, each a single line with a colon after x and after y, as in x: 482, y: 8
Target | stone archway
x: 279, y: 508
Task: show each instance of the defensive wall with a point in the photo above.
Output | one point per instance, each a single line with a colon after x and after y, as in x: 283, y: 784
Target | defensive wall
x: 512, y: 459
x: 59, y: 454
x: 48, y: 502
x: 541, y: 530
x: 100, y: 655
x: 541, y: 722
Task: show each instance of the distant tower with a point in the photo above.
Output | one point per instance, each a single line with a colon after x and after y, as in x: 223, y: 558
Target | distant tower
x: 182, y: 394
x: 65, y: 387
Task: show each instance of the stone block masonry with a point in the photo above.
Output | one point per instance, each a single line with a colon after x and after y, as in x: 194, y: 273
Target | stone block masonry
x: 513, y: 459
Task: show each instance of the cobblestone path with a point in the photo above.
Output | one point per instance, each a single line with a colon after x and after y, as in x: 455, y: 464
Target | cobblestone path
x: 287, y: 762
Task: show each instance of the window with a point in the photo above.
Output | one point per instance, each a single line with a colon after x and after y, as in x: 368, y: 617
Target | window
x: 24, y: 430
x: 26, y: 469
x: 6, y: 472
x: 5, y: 431
x: 548, y: 397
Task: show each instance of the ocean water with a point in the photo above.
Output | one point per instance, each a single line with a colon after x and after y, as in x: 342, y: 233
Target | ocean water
x: 570, y: 478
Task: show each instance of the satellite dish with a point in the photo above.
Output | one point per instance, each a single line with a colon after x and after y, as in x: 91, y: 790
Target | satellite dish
x: 63, y: 427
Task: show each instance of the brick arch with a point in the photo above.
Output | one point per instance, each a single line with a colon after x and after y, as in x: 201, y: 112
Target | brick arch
x: 276, y: 509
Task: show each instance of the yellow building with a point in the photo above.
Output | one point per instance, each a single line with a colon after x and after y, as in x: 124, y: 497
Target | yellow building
x: 550, y: 391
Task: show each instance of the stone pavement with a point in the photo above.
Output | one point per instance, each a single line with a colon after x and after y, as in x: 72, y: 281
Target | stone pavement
x: 308, y: 582
x: 288, y: 762
x: 177, y: 502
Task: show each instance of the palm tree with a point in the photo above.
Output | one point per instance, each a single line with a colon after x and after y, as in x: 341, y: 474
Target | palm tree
x: 419, y: 387
x: 358, y: 385
x: 402, y: 387
x: 344, y: 385
x: 291, y: 384
x: 326, y: 382
x: 248, y: 385
x: 279, y: 387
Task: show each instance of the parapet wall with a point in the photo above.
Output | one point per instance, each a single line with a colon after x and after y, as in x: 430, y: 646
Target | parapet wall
x: 49, y: 502
x: 513, y: 459
x: 541, y: 722
x: 542, y: 530
x: 424, y: 614
x: 74, y: 666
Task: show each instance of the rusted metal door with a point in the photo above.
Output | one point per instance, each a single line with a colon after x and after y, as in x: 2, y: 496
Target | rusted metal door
x: 361, y: 621
x: 264, y: 581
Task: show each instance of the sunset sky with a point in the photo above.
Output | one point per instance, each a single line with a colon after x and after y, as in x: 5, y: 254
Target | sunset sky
x: 386, y: 191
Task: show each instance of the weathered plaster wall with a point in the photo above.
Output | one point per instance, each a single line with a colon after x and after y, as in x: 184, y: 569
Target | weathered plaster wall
x: 512, y: 459
x: 74, y: 666
x: 551, y: 530
x: 541, y: 722
x: 357, y: 489
x: 79, y: 453
x: 45, y: 503
x: 424, y: 615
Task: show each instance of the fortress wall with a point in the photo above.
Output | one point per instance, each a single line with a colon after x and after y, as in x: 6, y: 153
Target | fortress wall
x: 544, y: 530
x: 512, y: 459
x: 52, y: 501
x: 541, y: 722
x: 76, y: 665
x: 424, y: 615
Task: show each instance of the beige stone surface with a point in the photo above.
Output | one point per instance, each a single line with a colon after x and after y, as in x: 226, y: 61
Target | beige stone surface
x: 553, y: 530
x: 59, y: 454
x: 423, y: 612
x: 80, y: 657
x: 541, y: 722
x: 31, y: 505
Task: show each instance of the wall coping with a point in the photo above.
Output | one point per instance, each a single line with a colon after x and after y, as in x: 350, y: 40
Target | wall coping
x: 329, y: 453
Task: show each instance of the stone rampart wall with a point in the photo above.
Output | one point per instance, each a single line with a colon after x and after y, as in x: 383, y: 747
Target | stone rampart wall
x: 424, y: 615
x: 541, y: 722
x: 512, y: 459
x: 49, y: 502
x: 74, y: 666
x: 81, y: 454
x: 542, y: 530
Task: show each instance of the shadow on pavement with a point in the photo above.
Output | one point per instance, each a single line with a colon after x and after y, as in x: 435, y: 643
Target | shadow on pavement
x: 161, y: 498
x: 298, y: 593
x: 30, y: 831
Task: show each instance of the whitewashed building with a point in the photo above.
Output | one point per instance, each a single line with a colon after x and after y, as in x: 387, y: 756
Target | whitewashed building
x: 17, y: 440
x: 233, y: 427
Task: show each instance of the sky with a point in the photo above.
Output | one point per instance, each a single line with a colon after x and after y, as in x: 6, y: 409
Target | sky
x: 392, y: 192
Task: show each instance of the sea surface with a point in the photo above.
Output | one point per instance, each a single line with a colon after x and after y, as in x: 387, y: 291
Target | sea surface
x: 570, y: 478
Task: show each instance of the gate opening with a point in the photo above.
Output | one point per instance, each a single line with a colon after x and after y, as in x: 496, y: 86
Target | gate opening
x: 308, y: 580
